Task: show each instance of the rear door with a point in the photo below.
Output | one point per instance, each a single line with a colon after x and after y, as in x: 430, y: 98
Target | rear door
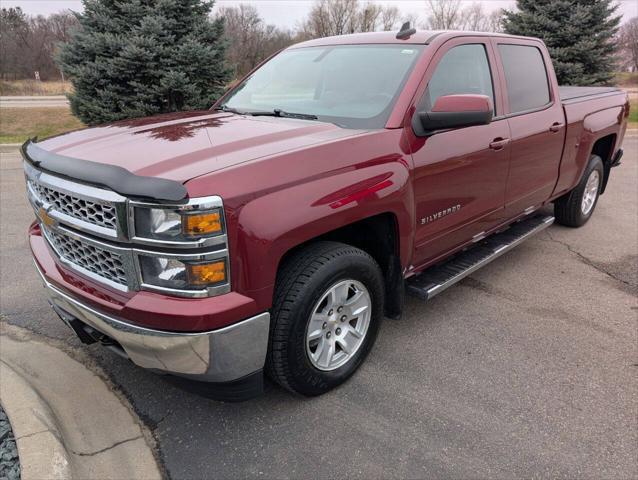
x: 459, y: 175
x: 536, y: 122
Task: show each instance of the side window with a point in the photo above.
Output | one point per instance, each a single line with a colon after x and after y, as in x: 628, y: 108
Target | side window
x: 462, y: 70
x: 526, y: 77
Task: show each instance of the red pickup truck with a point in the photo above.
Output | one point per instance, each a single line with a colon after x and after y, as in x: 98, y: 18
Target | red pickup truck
x: 272, y: 233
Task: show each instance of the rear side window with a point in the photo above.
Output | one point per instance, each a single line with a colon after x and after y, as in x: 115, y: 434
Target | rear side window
x: 462, y: 70
x: 526, y: 77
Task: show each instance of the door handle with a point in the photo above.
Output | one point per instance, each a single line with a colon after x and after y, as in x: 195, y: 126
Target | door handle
x: 499, y: 143
x: 556, y: 127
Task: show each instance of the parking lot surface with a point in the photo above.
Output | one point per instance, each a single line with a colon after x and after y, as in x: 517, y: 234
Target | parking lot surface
x: 528, y: 368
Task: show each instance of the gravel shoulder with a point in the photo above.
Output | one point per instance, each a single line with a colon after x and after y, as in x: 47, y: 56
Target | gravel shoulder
x: 9, y: 461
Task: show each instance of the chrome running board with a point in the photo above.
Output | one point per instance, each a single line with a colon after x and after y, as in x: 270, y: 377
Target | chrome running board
x: 436, y: 279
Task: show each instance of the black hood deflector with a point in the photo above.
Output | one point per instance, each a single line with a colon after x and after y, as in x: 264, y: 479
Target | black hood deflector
x: 113, y: 177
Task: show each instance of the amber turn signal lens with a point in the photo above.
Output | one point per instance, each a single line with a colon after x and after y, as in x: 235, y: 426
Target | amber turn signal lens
x: 207, y: 273
x: 202, y: 224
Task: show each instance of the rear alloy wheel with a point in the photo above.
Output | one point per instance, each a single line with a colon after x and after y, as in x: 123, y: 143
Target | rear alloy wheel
x: 576, y: 207
x: 591, y: 192
x: 326, y: 314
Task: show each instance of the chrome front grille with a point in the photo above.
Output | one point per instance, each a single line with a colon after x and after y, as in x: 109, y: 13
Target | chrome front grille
x: 106, y: 264
x: 103, y: 215
x: 89, y: 209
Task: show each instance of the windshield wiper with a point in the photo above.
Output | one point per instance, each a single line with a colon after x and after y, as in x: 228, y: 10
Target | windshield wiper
x: 277, y: 112
x: 224, y: 108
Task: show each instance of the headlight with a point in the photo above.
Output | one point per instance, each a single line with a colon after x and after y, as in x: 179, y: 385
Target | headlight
x: 193, y: 259
x: 174, y: 274
x: 175, y: 225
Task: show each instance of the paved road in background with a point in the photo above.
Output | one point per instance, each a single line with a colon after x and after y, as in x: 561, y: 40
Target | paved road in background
x: 528, y: 368
x: 34, y: 102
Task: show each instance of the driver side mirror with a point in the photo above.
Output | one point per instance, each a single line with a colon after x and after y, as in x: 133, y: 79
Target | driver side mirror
x: 453, y: 111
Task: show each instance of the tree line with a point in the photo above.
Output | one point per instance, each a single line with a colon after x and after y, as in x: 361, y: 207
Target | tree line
x: 251, y: 39
x: 29, y: 43
x: 130, y: 59
x: 577, y: 32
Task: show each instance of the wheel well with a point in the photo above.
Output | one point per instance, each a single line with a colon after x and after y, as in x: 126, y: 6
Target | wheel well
x: 379, y: 237
x: 604, y: 148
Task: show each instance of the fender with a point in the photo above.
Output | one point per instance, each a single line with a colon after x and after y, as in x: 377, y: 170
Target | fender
x: 306, y: 194
x: 584, y: 130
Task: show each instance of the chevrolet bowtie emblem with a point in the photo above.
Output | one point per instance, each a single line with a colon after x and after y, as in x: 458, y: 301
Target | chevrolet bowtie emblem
x: 45, y: 217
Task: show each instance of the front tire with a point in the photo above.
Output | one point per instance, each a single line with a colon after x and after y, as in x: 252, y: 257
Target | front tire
x: 326, y: 314
x: 576, y: 208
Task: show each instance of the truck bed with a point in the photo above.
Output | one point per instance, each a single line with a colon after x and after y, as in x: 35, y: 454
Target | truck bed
x: 574, y: 94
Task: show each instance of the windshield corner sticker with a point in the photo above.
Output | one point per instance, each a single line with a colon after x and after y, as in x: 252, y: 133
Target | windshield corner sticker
x: 443, y: 213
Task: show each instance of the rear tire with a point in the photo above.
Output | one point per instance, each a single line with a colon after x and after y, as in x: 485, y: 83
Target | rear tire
x: 313, y: 348
x: 576, y: 208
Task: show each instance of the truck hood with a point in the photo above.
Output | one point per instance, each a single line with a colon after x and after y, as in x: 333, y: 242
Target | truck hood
x: 182, y: 146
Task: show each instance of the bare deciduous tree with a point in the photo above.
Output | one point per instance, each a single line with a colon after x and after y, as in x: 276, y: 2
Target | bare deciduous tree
x: 332, y: 17
x: 628, y: 45
x: 339, y: 17
x: 444, y: 14
x: 475, y: 18
x: 369, y: 17
x: 472, y: 17
x: 390, y: 17
x: 14, y: 30
x: 495, y: 21
x: 250, y: 39
x: 28, y: 44
x: 449, y: 15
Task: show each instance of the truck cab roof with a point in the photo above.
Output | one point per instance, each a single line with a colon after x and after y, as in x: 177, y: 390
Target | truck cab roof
x: 420, y: 37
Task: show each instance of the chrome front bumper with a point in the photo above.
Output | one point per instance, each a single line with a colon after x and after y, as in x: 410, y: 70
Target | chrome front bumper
x: 222, y: 355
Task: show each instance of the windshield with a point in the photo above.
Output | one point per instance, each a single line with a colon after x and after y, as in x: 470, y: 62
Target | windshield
x: 353, y: 86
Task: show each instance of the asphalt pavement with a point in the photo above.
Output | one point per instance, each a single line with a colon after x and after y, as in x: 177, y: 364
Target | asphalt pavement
x: 528, y: 368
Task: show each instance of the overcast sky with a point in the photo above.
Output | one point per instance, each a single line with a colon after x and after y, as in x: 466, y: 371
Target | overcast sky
x: 288, y: 13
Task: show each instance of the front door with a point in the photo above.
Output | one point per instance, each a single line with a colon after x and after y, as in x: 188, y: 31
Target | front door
x: 459, y: 175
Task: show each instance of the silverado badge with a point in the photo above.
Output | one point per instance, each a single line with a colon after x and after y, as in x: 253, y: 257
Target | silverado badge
x: 441, y: 214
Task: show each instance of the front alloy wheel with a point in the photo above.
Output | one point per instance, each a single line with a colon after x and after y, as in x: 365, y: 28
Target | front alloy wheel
x: 338, y: 325
x: 326, y: 312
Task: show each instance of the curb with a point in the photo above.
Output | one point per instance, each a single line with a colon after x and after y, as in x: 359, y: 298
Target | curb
x: 69, y: 422
x: 38, y: 438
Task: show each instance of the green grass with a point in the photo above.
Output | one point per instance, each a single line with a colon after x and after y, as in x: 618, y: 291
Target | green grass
x: 633, y: 113
x: 19, y: 124
x: 627, y: 79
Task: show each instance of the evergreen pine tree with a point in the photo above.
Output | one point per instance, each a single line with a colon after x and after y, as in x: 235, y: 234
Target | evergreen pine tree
x: 135, y: 58
x: 578, y: 33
